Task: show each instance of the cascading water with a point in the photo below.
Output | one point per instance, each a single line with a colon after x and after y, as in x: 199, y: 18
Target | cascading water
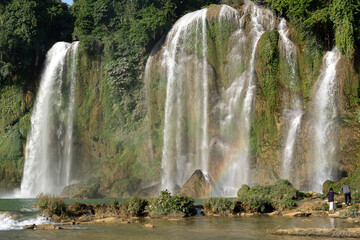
x: 187, y: 64
x: 293, y: 112
x: 176, y: 164
x: 324, y: 115
x: 48, y: 154
x: 239, y: 100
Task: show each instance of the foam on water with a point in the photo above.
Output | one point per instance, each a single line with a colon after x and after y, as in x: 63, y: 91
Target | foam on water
x: 8, y: 223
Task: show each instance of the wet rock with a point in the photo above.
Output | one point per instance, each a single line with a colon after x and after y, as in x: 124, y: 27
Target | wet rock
x: 275, y: 213
x: 297, y: 214
x: 31, y: 226
x: 148, y: 225
x: 198, y: 185
x: 108, y: 220
x: 86, y: 218
x: 320, y: 232
x: 46, y: 227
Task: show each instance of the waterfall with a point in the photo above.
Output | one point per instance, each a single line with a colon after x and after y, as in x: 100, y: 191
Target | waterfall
x: 48, y: 153
x: 324, y: 116
x: 293, y: 112
x: 176, y: 160
x: 187, y: 66
x: 239, y: 100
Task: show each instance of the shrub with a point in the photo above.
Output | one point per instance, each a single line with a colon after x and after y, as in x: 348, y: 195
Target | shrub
x: 165, y: 204
x: 51, y: 204
x: 184, y: 204
x: 259, y: 203
x: 305, y: 194
x: 218, y: 205
x: 350, y: 212
x: 325, y: 206
x: 114, y: 203
x: 279, y: 195
x: 284, y: 203
x: 330, y: 184
x: 136, y: 206
x: 78, y: 209
x: 243, y: 190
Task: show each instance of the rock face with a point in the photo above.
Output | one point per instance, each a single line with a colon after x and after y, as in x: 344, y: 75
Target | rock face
x: 199, y: 185
x: 123, y: 149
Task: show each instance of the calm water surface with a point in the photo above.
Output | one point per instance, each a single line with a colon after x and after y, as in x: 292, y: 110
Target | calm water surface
x: 256, y: 227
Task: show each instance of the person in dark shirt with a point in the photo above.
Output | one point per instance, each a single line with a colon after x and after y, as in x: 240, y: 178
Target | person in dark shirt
x: 330, y: 196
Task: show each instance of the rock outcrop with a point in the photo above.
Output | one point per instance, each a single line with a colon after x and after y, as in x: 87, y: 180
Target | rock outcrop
x: 199, y: 185
x: 320, y: 232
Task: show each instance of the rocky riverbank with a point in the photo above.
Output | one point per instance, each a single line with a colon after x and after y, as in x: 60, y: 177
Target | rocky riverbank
x: 279, y: 199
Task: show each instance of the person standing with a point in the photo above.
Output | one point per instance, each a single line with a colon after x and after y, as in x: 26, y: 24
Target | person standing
x: 347, y: 193
x: 330, y: 196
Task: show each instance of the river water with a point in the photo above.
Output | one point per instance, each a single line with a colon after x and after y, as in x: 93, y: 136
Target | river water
x: 254, y: 227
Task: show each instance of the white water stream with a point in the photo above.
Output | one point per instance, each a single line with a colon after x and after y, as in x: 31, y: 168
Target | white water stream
x: 48, y: 155
x: 240, y: 100
x: 176, y: 165
x: 324, y: 115
x: 293, y: 113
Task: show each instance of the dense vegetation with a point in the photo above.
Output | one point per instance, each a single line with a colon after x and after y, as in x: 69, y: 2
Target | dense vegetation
x: 116, y: 39
x: 27, y: 29
x: 322, y: 22
x: 280, y: 195
x: 163, y: 205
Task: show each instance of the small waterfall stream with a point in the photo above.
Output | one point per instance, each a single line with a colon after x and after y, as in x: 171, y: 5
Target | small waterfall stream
x: 324, y: 116
x: 241, y: 99
x: 293, y: 112
x: 48, y: 154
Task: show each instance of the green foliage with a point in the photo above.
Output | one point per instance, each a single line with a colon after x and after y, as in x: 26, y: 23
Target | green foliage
x: 317, y: 21
x: 279, y: 195
x: 218, y: 205
x: 27, y: 28
x: 51, y: 204
x: 342, y: 14
x: 331, y: 184
x: 325, y: 206
x: 268, y: 67
x: 167, y: 205
x: 114, y: 203
x: 78, y: 209
x: 305, y: 194
x: 136, y: 206
x: 352, y: 212
x: 285, y: 203
x: 353, y: 180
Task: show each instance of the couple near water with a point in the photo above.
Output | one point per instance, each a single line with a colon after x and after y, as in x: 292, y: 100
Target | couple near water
x: 346, y: 189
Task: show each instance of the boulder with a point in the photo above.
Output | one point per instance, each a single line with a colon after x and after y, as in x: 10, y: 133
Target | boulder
x: 148, y: 225
x: 31, y: 226
x: 199, y: 185
x: 297, y: 214
x: 46, y: 227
